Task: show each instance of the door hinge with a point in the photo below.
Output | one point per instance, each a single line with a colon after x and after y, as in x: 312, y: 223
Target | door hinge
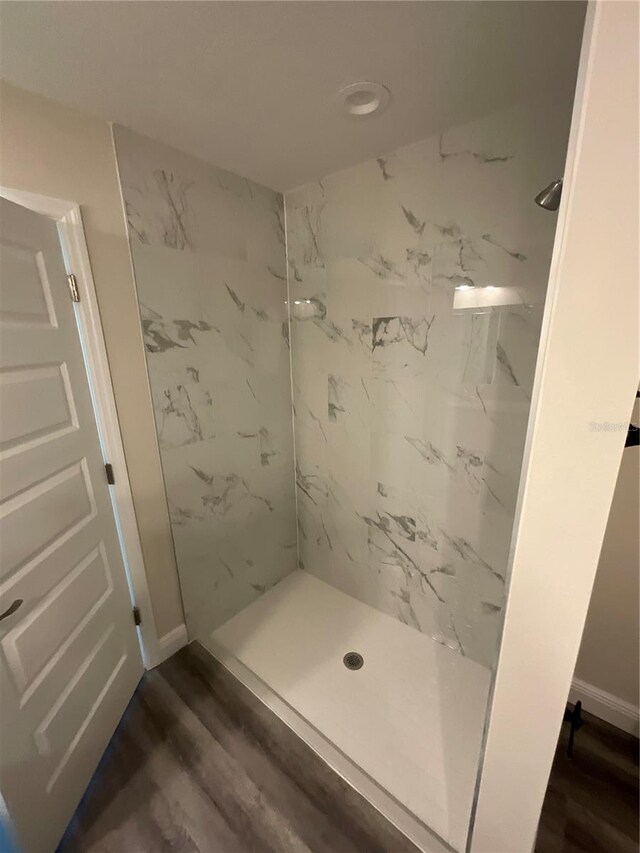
x: 73, y: 287
x: 137, y: 619
x: 108, y: 467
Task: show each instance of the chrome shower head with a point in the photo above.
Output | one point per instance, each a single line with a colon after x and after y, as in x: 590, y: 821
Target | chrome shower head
x: 549, y: 198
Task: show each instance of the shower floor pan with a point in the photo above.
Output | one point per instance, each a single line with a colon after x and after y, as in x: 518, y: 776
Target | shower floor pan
x: 410, y: 718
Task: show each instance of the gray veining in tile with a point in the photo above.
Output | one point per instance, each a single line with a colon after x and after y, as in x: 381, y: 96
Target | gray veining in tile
x: 417, y: 283
x: 209, y: 259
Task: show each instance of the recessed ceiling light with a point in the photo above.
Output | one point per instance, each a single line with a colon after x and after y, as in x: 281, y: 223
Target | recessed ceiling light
x: 465, y: 287
x: 361, y: 100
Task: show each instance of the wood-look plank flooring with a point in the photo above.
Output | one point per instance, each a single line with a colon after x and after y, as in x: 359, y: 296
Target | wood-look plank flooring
x: 199, y: 764
x: 591, y: 804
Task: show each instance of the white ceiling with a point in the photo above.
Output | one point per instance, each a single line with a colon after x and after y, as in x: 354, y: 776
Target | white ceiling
x: 250, y: 86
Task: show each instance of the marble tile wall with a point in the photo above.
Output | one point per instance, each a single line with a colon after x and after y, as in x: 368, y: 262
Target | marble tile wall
x: 417, y: 283
x: 209, y: 257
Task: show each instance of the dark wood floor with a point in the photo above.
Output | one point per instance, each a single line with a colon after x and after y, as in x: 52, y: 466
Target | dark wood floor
x: 591, y: 805
x: 199, y: 764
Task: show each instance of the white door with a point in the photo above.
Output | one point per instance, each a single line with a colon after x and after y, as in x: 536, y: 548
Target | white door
x: 69, y: 654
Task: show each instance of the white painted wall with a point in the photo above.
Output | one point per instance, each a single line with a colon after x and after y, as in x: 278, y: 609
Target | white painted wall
x: 606, y: 676
x: 53, y: 150
x: 587, y: 372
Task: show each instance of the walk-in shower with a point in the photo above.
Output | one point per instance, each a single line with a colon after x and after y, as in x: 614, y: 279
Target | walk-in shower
x: 342, y: 371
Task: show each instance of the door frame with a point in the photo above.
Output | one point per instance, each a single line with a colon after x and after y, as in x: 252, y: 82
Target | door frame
x: 68, y: 218
x: 585, y: 384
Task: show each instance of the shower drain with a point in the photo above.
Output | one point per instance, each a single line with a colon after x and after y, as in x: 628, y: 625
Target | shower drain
x: 353, y: 660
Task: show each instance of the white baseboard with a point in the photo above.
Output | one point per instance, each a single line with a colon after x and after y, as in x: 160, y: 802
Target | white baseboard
x: 170, y: 643
x: 607, y: 707
x: 397, y: 814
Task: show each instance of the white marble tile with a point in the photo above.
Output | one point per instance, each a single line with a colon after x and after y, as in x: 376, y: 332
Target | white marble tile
x: 411, y: 397
x: 209, y: 257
